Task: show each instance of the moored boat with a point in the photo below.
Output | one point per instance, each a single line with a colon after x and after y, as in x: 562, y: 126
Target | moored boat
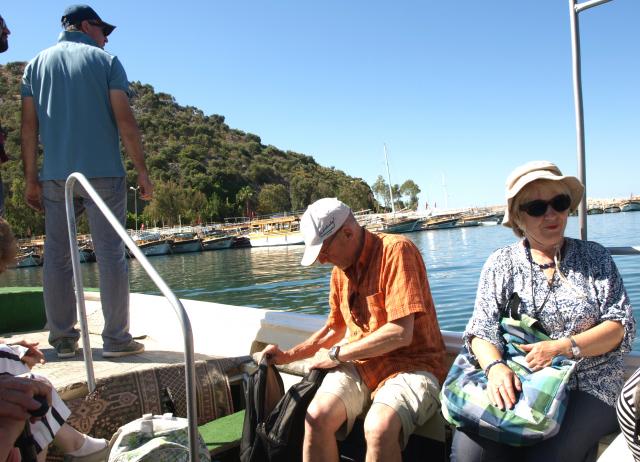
x: 152, y: 244
x: 275, y: 231
x: 185, y: 242
x: 595, y: 211
x: 217, y: 242
x: 28, y: 259
x: 394, y: 225
x: 612, y: 209
x: 631, y: 206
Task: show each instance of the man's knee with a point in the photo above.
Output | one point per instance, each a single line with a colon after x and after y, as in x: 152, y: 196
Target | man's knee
x: 382, y: 426
x: 326, y: 413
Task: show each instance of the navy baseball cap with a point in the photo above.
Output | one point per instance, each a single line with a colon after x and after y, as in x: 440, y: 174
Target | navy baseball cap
x: 75, y: 14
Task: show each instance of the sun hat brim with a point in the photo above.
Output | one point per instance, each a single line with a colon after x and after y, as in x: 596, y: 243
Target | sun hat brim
x: 540, y: 170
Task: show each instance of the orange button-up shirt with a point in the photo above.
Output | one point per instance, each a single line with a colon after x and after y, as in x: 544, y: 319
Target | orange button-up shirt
x: 389, y: 282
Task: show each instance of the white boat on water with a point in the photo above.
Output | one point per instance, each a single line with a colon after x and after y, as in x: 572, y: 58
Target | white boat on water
x: 185, y: 243
x: 631, y: 206
x: 152, y: 244
x: 275, y: 231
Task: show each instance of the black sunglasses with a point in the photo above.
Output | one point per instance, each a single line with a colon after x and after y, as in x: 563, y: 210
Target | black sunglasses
x: 104, y: 28
x: 537, y: 208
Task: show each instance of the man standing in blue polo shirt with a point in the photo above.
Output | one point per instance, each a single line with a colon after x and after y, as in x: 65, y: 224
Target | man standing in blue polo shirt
x: 75, y: 97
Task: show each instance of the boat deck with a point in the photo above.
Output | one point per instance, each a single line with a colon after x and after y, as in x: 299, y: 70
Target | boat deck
x: 68, y: 376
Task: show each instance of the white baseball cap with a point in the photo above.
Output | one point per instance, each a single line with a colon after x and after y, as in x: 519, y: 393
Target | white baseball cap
x: 321, y: 220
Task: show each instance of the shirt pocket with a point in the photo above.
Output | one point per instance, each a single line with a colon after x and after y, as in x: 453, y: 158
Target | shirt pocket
x: 377, y: 311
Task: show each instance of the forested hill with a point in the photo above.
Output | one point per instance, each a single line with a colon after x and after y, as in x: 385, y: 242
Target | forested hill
x: 203, y: 170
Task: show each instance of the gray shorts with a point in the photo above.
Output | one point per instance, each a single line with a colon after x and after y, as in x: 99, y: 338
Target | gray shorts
x: 412, y: 395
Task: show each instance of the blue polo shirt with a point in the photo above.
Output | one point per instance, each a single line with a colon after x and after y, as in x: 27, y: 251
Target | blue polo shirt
x: 70, y: 84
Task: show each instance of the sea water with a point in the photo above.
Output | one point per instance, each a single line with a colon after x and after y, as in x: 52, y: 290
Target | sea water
x: 271, y: 277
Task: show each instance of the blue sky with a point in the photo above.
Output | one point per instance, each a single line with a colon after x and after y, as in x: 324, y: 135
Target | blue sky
x: 461, y: 90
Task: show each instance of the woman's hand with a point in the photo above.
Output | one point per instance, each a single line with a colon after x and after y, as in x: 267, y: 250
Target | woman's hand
x: 540, y: 354
x: 503, y: 386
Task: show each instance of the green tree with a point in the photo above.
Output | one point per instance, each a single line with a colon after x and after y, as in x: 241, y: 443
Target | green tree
x: 273, y: 198
x: 410, y: 191
x: 381, y: 192
x: 23, y: 220
x: 243, y: 200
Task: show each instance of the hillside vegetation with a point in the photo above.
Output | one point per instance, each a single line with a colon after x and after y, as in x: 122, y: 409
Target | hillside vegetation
x: 203, y: 170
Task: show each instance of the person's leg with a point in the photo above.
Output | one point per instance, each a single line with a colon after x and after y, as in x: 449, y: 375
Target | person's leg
x: 332, y: 412
x: 73, y: 443
x: 109, y: 249
x: 403, y: 403
x: 325, y: 415
x: 587, y: 419
x: 382, y: 432
x: 59, y: 296
x: 467, y: 447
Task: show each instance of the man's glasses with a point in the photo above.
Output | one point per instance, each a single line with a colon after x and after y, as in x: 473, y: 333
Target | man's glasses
x: 537, y: 208
x: 105, y: 29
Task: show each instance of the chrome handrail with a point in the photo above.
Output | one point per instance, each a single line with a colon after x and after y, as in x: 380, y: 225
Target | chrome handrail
x: 189, y: 364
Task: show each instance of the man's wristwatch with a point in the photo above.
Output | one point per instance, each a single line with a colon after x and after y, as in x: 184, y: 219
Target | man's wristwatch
x: 334, y: 351
x: 575, y: 349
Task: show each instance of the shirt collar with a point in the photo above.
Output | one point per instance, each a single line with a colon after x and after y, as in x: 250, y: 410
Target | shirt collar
x: 75, y: 36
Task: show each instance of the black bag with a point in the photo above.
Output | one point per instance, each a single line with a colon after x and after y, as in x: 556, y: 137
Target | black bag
x: 277, y: 435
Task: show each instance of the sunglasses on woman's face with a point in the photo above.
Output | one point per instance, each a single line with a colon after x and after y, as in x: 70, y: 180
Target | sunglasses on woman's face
x: 537, y: 208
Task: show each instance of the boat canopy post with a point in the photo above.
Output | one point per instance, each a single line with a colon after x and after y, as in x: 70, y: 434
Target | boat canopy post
x: 574, y: 9
x: 189, y: 363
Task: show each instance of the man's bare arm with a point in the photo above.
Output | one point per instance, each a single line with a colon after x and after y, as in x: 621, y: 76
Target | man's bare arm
x: 130, y: 134
x: 324, y: 337
x: 29, y: 149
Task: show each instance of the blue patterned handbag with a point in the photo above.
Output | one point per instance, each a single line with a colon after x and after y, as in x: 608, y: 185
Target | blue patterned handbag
x: 541, y: 404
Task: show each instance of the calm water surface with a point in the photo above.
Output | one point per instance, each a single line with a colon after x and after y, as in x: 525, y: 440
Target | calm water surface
x: 273, y: 278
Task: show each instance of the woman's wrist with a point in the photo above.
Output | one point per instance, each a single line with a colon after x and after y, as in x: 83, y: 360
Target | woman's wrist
x: 564, y: 347
x: 494, y: 363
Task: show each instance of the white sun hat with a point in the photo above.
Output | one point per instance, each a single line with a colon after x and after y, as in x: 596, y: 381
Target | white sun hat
x: 321, y: 220
x: 539, y: 170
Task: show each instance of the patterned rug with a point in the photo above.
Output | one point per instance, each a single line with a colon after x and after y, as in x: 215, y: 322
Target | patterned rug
x: 122, y: 398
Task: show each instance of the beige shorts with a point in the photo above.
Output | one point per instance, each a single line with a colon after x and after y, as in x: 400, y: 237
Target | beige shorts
x: 412, y: 395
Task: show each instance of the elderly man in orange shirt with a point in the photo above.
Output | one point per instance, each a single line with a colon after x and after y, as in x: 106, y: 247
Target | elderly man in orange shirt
x: 392, y: 361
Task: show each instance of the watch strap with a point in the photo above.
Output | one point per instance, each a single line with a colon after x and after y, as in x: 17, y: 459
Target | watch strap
x: 334, y: 351
x: 575, y: 349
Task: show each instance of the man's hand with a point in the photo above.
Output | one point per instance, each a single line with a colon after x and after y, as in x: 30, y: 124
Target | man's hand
x: 321, y: 360
x: 146, y: 186
x: 16, y: 396
x: 274, y: 355
x: 33, y: 195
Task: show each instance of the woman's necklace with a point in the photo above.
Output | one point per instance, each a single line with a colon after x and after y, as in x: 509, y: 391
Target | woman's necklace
x: 542, y: 266
x: 527, y: 249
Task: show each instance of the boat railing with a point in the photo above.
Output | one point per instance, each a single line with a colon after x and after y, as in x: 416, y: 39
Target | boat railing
x: 187, y: 333
x: 633, y: 250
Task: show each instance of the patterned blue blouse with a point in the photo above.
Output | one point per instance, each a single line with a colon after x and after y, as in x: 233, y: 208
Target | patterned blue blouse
x: 596, y: 294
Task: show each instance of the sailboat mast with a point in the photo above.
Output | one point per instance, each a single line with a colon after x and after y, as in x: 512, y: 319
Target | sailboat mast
x: 386, y: 161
